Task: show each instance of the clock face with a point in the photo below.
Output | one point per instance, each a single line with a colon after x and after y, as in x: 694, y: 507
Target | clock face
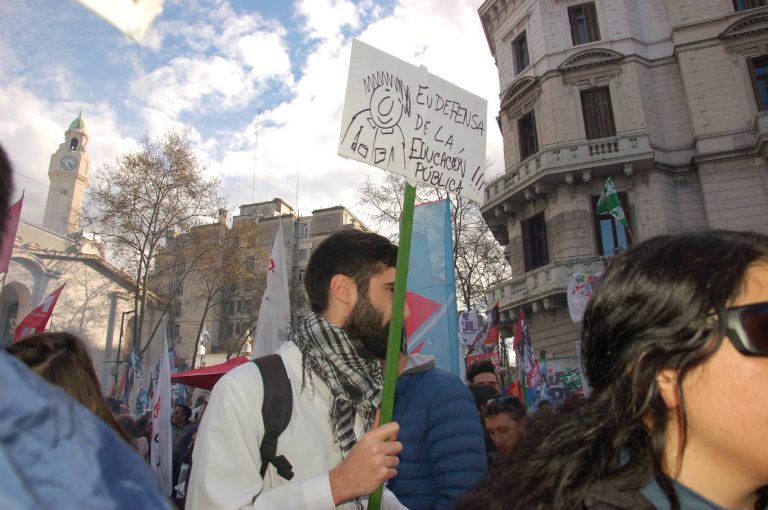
x: 68, y: 162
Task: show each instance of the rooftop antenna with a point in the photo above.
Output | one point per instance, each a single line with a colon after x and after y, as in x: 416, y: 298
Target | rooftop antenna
x: 255, y: 155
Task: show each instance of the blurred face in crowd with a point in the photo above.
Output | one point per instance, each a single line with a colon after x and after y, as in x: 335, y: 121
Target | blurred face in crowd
x: 178, y: 418
x: 504, y: 431
x: 486, y: 378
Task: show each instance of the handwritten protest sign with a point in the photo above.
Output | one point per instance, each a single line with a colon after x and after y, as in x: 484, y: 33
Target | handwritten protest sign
x: 403, y: 119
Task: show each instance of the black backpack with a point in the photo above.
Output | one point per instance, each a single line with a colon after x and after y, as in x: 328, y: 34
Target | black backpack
x: 276, y: 412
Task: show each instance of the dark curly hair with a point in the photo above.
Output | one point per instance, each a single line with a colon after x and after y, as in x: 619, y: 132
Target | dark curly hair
x: 479, y: 367
x: 358, y: 255
x: 655, y: 309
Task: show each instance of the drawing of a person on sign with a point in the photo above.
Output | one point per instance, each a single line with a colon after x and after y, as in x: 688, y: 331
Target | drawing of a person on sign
x: 374, y: 134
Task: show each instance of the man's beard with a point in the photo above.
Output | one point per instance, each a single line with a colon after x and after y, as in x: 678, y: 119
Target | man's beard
x: 366, y: 324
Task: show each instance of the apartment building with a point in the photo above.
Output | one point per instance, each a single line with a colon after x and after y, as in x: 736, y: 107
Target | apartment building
x: 232, y: 320
x: 667, y: 97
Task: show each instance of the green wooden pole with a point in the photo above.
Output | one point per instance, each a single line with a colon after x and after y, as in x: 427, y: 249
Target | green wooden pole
x: 396, y: 322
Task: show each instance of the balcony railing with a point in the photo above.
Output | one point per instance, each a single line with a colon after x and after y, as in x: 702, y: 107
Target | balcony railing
x: 543, y: 282
x: 565, y: 158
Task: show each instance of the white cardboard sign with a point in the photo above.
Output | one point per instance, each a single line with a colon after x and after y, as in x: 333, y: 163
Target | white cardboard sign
x: 402, y: 119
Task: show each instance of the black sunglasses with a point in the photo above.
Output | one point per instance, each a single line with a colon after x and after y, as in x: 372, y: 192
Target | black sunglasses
x: 747, y: 327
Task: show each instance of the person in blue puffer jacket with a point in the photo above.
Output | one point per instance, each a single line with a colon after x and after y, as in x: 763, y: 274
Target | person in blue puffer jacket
x: 443, y: 453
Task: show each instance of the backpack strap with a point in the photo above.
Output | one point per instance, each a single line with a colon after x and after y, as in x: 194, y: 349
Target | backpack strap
x: 276, y: 412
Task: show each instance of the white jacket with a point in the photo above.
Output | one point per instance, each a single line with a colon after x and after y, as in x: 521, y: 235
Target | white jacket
x: 226, y: 459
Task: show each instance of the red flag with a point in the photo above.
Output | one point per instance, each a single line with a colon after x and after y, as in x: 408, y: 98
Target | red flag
x: 9, y: 235
x: 37, y: 319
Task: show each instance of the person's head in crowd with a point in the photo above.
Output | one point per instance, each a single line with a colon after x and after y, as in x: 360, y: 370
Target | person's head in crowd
x: 128, y: 425
x: 482, y: 394
x: 483, y: 372
x: 114, y: 405
x: 144, y: 425
x: 544, y: 406
x: 181, y: 415
x: 349, y: 280
x: 504, y: 419
x: 675, y: 346
x: 62, y: 359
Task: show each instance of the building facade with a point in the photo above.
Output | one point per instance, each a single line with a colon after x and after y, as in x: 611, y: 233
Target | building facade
x: 96, y: 303
x: 231, y: 321
x: 667, y: 97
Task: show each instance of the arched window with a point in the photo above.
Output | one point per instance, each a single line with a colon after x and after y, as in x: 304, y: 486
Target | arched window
x: 73, y: 144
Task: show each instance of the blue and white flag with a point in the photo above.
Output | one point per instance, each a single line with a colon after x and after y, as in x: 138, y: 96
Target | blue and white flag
x: 431, y: 288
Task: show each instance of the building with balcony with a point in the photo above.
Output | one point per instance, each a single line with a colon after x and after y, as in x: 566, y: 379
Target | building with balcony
x: 668, y: 97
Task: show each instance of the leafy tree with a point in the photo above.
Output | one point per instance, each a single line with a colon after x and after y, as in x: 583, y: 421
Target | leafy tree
x: 142, y: 198
x: 477, y: 257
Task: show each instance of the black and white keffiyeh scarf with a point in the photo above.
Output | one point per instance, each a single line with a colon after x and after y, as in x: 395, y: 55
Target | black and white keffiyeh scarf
x: 351, y: 372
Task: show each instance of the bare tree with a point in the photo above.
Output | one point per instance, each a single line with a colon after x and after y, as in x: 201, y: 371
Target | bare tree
x: 232, y: 263
x: 477, y: 257
x: 144, y: 196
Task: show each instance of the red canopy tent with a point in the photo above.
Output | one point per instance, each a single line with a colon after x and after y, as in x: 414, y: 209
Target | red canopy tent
x: 206, y: 377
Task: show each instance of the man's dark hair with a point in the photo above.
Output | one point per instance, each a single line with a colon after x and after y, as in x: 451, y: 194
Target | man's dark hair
x: 478, y: 367
x: 512, y: 406
x: 358, y: 255
x: 187, y: 411
x: 482, y: 394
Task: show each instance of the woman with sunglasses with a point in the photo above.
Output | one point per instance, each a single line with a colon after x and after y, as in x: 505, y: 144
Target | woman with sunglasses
x: 675, y: 344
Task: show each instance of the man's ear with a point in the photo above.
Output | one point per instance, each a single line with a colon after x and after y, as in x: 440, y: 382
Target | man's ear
x: 667, y: 381
x: 342, y: 289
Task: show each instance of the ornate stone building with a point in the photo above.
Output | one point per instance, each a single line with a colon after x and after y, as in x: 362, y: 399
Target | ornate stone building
x: 96, y: 302
x: 667, y: 97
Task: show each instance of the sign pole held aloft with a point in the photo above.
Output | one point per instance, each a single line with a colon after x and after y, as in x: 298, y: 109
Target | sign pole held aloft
x: 396, y: 322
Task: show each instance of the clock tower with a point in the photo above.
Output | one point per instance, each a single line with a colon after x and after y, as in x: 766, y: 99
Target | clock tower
x: 69, y: 173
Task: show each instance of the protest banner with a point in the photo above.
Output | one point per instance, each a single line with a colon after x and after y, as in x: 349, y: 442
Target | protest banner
x: 469, y: 326
x: 431, y: 291
x: 403, y: 119
x: 36, y: 320
x: 563, y: 378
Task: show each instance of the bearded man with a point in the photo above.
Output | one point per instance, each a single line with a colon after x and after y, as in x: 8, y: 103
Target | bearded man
x: 332, y: 362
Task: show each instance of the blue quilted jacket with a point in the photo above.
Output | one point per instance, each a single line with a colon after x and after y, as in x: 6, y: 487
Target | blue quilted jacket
x: 443, y: 453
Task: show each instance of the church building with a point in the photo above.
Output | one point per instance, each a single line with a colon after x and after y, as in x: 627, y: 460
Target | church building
x: 96, y: 303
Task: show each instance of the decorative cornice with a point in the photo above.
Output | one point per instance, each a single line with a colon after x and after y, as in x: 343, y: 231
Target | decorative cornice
x: 749, y: 25
x: 516, y: 90
x: 591, y: 57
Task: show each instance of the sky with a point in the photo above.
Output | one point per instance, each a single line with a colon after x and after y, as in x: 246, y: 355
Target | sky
x: 259, y: 84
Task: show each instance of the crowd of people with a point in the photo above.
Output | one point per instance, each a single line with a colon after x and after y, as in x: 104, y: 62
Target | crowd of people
x: 675, y: 347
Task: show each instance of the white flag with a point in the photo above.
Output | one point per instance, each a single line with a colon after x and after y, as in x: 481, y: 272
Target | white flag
x: 275, y: 311
x: 161, y: 422
x: 131, y: 17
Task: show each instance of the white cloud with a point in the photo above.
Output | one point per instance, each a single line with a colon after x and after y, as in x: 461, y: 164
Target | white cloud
x: 34, y: 130
x: 446, y: 37
x: 216, y: 64
x: 325, y: 18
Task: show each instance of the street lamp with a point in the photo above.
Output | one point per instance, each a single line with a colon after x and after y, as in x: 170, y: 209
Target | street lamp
x: 120, y: 343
